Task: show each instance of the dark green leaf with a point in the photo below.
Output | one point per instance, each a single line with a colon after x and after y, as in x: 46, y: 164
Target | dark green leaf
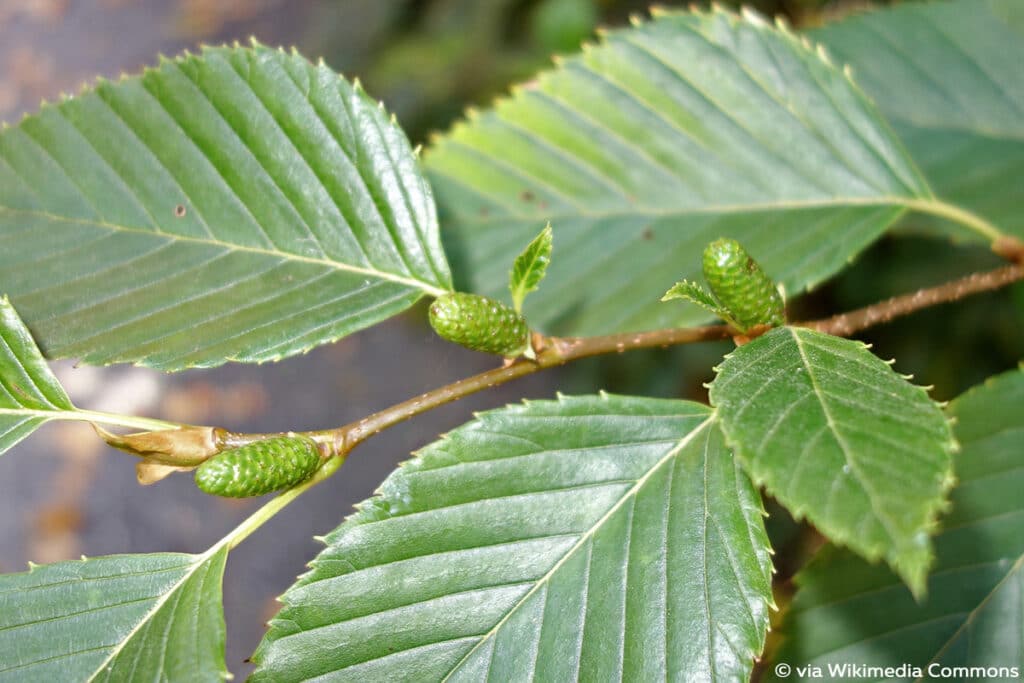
x: 598, y: 538
x: 838, y: 437
x: 115, y: 618
x: 242, y: 204
x: 948, y: 75
x: 643, y: 149
x: 530, y: 267
x: 846, y: 611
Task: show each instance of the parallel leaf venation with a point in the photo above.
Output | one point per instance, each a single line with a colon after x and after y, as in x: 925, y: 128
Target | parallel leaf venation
x: 245, y: 185
x: 552, y: 539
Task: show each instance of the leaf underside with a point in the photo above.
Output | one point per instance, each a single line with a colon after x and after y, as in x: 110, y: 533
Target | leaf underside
x: 29, y: 393
x: 847, y: 611
x: 115, y: 618
x: 838, y: 437
x: 645, y: 148
x: 240, y: 204
x: 948, y: 75
x: 599, y: 538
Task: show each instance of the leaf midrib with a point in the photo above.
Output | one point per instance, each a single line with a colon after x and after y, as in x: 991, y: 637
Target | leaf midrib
x: 415, y: 283
x: 160, y: 602
x: 584, y: 537
x: 839, y: 202
x: 834, y: 429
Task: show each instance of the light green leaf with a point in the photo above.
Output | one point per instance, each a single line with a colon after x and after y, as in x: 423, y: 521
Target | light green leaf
x: 530, y: 267
x: 115, y: 618
x: 697, y: 294
x: 846, y: 611
x: 240, y: 204
x: 29, y: 393
x: 839, y: 438
x: 666, y: 136
x: 599, y: 538
x: 948, y: 75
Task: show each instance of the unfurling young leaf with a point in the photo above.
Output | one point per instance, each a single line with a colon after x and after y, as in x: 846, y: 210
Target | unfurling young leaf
x: 530, y: 267
x: 741, y: 286
x: 696, y: 294
x: 260, y: 467
x: 480, y: 323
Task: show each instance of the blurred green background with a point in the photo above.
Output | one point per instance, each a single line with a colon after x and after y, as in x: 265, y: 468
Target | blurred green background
x: 63, y: 494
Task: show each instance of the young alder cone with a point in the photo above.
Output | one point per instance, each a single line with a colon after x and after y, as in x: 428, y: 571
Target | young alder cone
x: 480, y: 323
x: 741, y: 286
x: 260, y: 467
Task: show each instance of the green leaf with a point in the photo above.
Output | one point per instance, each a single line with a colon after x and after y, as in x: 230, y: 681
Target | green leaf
x: 29, y: 393
x: 240, y: 204
x: 838, y: 437
x: 530, y: 267
x: 697, y: 294
x: 115, y: 618
x: 664, y: 137
x: 948, y: 75
x: 599, y: 538
x: 848, y: 611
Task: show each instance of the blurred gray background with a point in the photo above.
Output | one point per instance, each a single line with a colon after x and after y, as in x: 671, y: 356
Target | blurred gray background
x: 63, y: 493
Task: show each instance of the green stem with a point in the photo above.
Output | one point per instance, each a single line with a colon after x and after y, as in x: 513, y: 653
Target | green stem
x: 956, y: 214
x: 275, y: 505
x: 554, y: 351
x: 129, y: 421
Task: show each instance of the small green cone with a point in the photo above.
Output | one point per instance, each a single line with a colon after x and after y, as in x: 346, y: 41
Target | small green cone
x: 261, y: 467
x: 740, y: 285
x: 480, y: 323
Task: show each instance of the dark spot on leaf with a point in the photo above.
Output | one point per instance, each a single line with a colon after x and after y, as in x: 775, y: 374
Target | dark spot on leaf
x: 484, y: 211
x: 18, y: 389
x: 526, y: 196
x: 179, y: 211
x: 648, y: 234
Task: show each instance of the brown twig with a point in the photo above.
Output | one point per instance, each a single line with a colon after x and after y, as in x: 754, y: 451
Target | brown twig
x: 845, y: 324
x: 553, y: 351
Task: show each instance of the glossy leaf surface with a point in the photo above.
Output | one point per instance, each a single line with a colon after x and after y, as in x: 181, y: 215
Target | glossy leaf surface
x: 530, y: 267
x: 838, y: 437
x: 600, y: 538
x: 240, y: 204
x: 846, y: 611
x: 115, y: 618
